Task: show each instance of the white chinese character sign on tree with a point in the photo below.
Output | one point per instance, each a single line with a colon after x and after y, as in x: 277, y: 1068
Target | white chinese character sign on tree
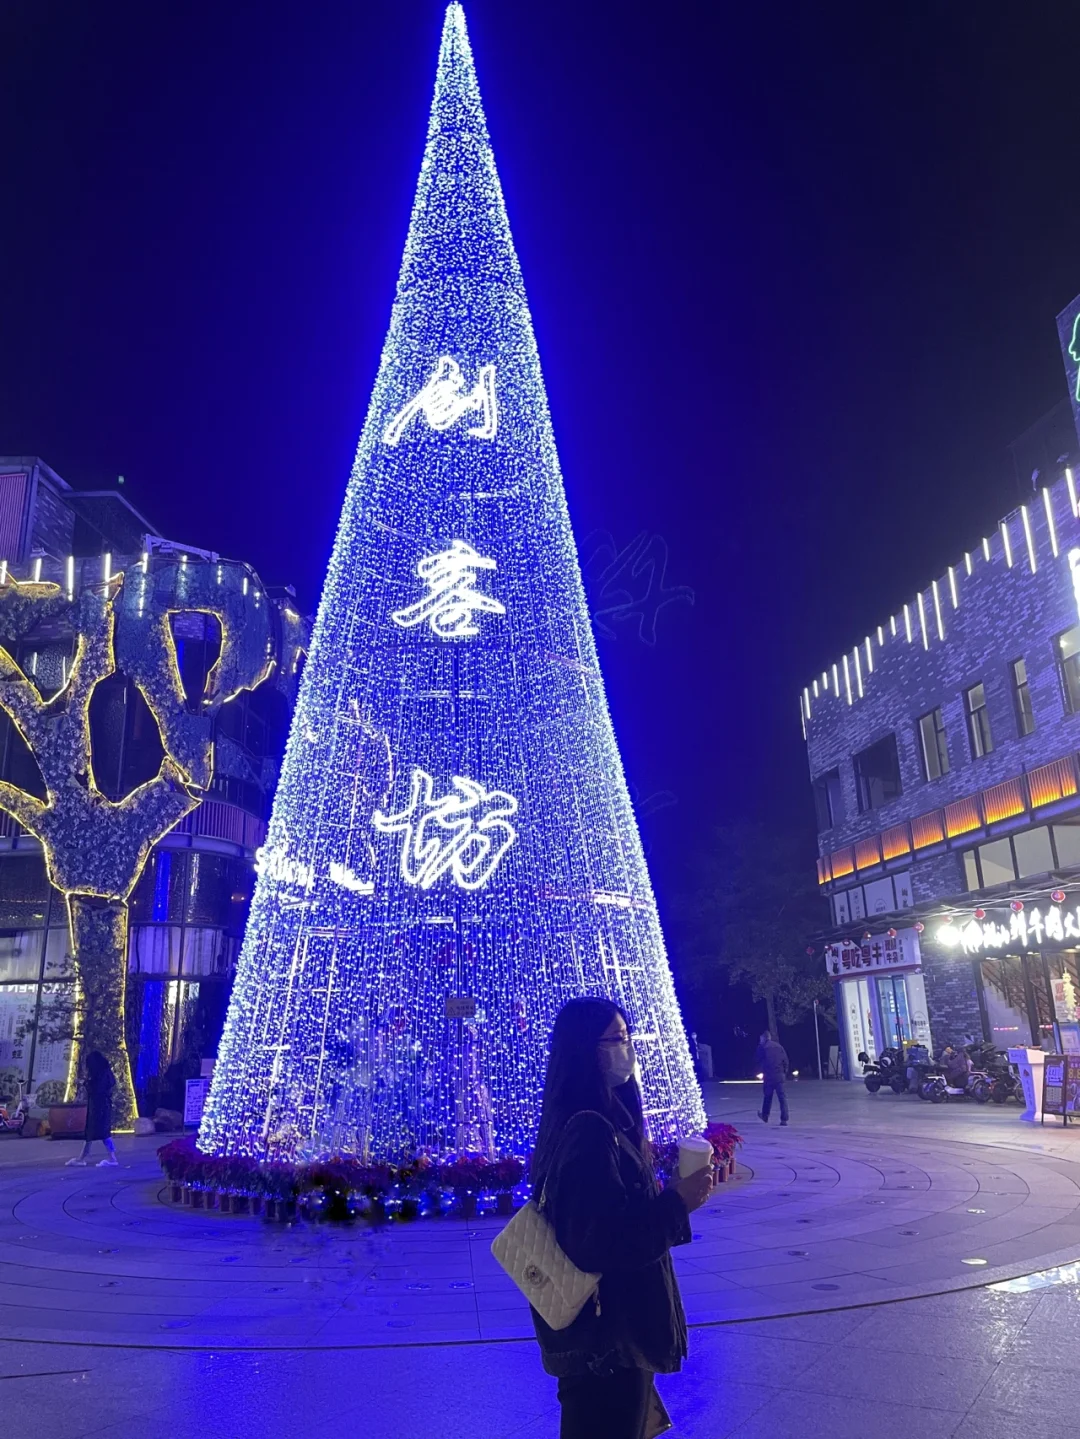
x: 452, y: 820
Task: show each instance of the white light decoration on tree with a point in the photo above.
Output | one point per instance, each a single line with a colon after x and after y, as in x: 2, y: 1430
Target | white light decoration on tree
x: 452, y: 598
x: 444, y: 400
x: 502, y: 868
x: 475, y: 825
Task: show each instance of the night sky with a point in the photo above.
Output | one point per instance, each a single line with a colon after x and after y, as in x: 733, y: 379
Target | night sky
x: 793, y: 270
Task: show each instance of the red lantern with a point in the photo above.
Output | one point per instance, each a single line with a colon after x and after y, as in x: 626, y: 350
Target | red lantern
x: 1058, y: 896
x: 919, y: 926
x: 866, y: 934
x: 980, y: 914
x: 891, y: 933
x: 1017, y: 906
x: 810, y: 949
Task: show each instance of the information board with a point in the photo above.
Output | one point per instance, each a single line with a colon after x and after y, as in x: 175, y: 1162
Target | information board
x: 195, y: 1092
x: 1061, y: 1085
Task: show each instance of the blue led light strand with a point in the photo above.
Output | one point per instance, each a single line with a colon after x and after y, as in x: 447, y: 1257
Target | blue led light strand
x: 452, y: 821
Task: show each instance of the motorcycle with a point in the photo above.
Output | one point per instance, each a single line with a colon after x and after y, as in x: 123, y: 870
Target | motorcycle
x: 888, y: 1069
x: 13, y: 1120
x: 999, y: 1081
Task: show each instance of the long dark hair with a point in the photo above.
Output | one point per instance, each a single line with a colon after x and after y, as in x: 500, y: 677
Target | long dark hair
x: 574, y: 1080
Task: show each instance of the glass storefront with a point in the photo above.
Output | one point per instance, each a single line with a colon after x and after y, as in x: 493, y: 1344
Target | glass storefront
x: 1030, y: 999
x: 187, y: 915
x: 882, y: 1011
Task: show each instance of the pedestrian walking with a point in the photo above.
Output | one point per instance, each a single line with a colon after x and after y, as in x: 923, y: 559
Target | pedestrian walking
x: 593, y: 1169
x: 100, y: 1083
x: 772, y: 1060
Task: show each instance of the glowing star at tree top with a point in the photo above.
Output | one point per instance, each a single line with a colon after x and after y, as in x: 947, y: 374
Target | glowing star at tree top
x: 464, y: 835
x: 452, y: 598
x: 444, y: 400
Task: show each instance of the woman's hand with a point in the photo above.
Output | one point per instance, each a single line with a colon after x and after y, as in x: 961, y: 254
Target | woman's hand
x: 696, y: 1188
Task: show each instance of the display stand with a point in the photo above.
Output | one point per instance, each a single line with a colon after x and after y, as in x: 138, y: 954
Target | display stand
x: 1029, y: 1065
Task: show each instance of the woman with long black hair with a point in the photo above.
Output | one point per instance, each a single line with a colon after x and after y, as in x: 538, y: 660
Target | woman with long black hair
x: 592, y: 1167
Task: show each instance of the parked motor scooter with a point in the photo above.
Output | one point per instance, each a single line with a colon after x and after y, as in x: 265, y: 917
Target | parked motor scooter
x: 888, y: 1069
x: 953, y: 1078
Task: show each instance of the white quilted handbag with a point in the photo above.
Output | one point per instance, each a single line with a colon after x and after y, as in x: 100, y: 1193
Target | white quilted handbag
x: 529, y: 1252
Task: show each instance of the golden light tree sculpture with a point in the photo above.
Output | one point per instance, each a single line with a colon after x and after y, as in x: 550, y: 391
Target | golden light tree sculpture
x: 95, y: 847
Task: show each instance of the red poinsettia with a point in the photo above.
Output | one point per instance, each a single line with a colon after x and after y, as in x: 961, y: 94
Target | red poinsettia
x: 725, y: 1139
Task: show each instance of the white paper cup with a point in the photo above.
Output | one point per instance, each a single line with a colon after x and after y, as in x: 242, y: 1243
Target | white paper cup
x: 694, y: 1154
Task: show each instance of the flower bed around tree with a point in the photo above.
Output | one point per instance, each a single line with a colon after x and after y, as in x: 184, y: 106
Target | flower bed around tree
x: 339, y: 1188
x: 343, y: 1189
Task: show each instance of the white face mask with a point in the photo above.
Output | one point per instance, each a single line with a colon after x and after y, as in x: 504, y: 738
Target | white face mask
x: 617, y: 1062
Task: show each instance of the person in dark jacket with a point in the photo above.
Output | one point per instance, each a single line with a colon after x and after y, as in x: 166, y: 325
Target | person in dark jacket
x: 100, y: 1083
x: 772, y: 1060
x: 591, y: 1168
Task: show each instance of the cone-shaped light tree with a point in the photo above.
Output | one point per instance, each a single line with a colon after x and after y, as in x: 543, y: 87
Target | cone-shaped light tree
x: 452, y: 852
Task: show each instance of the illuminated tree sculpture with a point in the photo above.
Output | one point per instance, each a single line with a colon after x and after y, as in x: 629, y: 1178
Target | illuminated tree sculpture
x: 95, y: 848
x: 452, y: 852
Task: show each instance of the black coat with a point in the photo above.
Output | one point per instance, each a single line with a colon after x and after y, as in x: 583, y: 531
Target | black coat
x: 610, y: 1218
x: 99, y: 1093
x: 772, y: 1060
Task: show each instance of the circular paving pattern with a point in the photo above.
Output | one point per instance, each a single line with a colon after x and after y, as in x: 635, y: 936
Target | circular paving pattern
x: 820, y: 1219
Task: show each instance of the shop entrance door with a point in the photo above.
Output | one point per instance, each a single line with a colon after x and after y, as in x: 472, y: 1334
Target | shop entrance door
x: 895, y: 1015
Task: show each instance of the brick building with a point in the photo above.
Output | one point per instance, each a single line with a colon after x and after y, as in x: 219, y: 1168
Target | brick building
x: 188, y: 909
x: 943, y: 753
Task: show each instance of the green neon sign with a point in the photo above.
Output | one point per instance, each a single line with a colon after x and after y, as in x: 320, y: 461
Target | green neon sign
x: 1074, y: 351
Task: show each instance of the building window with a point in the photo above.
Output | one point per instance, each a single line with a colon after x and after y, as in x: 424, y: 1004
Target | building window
x: 996, y: 863
x: 877, y: 773
x: 935, y: 752
x: 971, y: 871
x: 982, y: 741
x: 1068, y: 649
x: 1025, y: 715
x: 828, y: 801
x: 1033, y: 852
x: 1067, y: 844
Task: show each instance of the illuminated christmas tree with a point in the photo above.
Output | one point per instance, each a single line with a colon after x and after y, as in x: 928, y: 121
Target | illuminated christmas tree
x: 452, y: 852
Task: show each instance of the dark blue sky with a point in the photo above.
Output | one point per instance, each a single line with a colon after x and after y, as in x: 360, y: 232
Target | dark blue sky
x: 793, y: 270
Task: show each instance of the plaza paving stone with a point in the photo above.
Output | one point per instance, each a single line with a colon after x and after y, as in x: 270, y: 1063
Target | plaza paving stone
x: 826, y: 1290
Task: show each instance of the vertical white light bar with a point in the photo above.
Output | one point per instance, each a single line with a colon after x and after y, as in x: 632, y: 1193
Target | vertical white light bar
x: 937, y: 609
x: 858, y: 671
x: 952, y: 589
x: 806, y: 697
x: 869, y: 655
x: 881, y: 635
x: 1072, y: 488
x: 69, y: 576
x: 907, y: 622
x: 824, y: 679
x: 1028, y: 538
x: 1005, y: 542
x: 836, y: 681
x: 967, y: 561
x: 847, y: 680
x: 892, y: 624
x: 37, y: 570
x: 922, y: 623
x: 106, y: 567
x: 3, y: 572
x: 815, y: 689
x: 1048, y: 506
